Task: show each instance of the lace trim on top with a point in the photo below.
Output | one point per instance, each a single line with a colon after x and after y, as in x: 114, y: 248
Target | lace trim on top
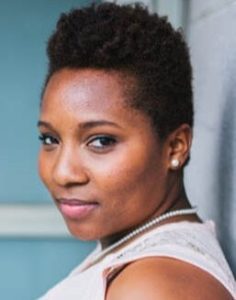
x: 194, y: 243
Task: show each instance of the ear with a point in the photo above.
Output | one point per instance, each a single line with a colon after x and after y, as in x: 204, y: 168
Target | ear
x: 179, y: 144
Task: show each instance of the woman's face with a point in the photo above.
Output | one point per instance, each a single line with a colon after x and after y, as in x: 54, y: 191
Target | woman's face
x: 100, y: 159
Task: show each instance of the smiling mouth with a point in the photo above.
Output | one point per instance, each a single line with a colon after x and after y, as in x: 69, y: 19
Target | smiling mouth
x: 76, y: 208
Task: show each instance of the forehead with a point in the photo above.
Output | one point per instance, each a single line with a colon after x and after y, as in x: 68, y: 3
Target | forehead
x: 82, y: 95
x: 86, y: 88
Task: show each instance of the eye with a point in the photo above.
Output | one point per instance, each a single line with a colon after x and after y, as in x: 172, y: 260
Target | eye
x: 48, y: 140
x: 100, y: 143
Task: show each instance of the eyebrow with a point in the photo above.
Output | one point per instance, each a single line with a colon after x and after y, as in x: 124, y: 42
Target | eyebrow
x: 43, y: 123
x: 84, y: 125
x: 91, y: 124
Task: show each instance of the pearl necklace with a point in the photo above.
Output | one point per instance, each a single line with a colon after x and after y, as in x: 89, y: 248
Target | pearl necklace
x: 140, y: 229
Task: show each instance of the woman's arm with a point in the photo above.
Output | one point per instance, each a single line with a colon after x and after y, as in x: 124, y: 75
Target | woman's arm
x: 165, y: 278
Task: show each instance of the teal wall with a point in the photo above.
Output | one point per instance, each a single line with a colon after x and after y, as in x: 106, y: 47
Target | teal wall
x: 24, y: 29
x: 28, y: 267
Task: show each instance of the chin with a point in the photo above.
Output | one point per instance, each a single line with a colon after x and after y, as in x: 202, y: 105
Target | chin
x: 83, y: 232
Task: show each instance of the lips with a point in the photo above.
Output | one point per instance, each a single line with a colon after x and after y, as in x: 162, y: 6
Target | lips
x: 76, y: 208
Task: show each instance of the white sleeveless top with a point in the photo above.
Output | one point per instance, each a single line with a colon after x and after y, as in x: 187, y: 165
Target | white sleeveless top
x: 194, y: 243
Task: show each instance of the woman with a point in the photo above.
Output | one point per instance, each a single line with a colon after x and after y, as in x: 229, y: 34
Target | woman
x: 116, y: 129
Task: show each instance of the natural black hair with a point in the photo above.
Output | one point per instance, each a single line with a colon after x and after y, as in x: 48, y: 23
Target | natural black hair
x: 130, y: 40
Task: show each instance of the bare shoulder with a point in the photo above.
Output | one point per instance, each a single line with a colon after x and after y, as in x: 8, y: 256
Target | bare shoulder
x: 165, y: 278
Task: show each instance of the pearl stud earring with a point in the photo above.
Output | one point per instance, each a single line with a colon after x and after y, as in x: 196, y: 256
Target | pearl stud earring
x: 175, y: 163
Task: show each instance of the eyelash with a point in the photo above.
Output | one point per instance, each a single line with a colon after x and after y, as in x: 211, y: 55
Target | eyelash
x: 43, y: 138
x: 110, y: 139
x: 109, y: 142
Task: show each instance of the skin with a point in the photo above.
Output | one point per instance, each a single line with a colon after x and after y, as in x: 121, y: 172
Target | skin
x: 164, y: 278
x: 74, y: 163
x: 98, y: 149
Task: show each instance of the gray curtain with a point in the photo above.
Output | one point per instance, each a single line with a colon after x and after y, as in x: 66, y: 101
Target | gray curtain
x: 211, y: 175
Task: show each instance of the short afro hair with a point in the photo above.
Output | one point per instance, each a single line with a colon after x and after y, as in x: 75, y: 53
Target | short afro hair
x: 130, y: 40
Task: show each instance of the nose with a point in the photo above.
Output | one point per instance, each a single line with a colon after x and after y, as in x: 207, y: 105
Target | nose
x: 68, y: 169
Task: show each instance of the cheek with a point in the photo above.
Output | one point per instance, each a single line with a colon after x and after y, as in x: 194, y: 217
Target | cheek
x: 127, y: 176
x: 44, y: 168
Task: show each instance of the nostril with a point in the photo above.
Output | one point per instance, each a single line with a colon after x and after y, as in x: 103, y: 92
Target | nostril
x: 68, y: 171
x: 65, y: 176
